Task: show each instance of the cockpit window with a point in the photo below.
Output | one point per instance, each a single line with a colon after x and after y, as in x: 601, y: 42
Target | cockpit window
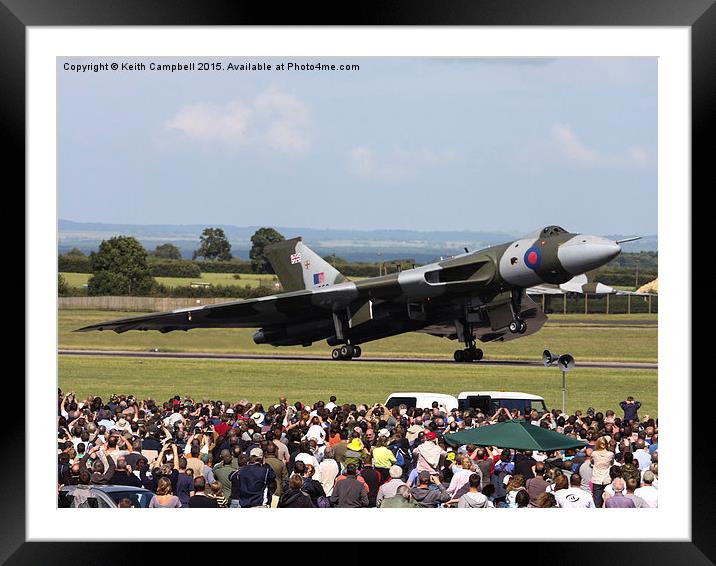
x: 553, y: 230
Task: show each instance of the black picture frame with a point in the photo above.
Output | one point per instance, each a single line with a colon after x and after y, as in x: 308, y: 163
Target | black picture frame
x: 698, y: 15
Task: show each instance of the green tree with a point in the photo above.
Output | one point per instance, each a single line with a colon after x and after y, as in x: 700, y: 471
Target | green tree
x: 120, y: 268
x: 62, y: 286
x: 262, y: 238
x: 167, y: 251
x: 214, y: 245
x: 76, y: 252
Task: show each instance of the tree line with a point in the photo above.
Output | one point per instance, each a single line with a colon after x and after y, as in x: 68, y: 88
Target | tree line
x: 122, y: 266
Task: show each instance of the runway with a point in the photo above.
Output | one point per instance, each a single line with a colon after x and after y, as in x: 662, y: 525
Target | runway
x: 309, y: 358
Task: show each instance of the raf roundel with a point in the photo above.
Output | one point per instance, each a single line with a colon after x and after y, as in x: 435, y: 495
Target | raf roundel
x: 533, y: 257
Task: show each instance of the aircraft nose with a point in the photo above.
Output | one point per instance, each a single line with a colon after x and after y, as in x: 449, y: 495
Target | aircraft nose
x: 584, y: 253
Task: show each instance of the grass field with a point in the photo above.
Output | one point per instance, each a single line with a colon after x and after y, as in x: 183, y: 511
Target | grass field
x: 80, y: 279
x: 563, y: 333
x: 266, y: 381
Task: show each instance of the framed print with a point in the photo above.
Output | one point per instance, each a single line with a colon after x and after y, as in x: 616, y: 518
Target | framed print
x: 253, y: 165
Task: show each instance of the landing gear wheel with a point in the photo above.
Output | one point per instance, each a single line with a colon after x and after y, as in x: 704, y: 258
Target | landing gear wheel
x: 346, y: 351
x: 336, y: 354
x: 477, y: 354
x: 514, y: 326
x: 459, y: 356
x: 357, y: 351
x: 523, y: 327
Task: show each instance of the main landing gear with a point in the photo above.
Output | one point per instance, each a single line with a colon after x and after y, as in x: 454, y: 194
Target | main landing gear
x: 346, y: 352
x: 471, y: 353
x: 518, y: 326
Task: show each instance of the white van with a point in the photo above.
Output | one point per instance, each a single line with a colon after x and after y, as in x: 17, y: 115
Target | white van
x: 421, y: 400
x: 489, y: 402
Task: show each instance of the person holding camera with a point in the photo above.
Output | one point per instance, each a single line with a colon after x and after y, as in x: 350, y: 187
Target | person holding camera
x: 630, y: 408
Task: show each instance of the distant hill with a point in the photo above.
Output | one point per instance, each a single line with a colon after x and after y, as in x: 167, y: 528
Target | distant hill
x: 352, y: 245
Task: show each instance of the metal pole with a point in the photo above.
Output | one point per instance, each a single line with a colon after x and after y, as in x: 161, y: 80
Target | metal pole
x: 649, y: 304
x: 564, y: 303
x: 564, y: 388
x: 628, y: 304
x: 586, y: 302
x: 607, y: 303
x: 543, y: 296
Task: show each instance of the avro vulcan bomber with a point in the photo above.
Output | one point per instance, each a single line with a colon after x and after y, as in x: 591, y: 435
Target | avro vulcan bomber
x: 471, y: 297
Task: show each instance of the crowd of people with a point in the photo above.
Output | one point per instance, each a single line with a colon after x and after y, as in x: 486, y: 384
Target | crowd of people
x: 191, y: 453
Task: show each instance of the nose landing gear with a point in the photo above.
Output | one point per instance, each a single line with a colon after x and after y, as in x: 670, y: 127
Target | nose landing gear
x: 518, y: 326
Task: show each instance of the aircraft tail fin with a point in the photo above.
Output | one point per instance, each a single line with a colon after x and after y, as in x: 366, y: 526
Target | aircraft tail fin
x: 298, y: 267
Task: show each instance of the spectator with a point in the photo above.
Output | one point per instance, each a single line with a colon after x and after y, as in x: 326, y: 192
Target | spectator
x: 619, y: 499
x: 217, y: 494
x: 642, y: 455
x: 459, y: 482
x: 390, y: 488
x: 631, y: 485
x: 630, y: 408
x: 200, y: 499
x: 223, y: 470
x: 603, y: 460
x: 383, y: 457
x: 515, y: 485
x: 164, y: 496
x: 428, y: 455
x: 522, y: 499
x: 312, y: 487
x: 574, y: 496
x: 294, y: 496
x: 546, y: 500
x: 279, y: 468
x: 349, y: 492
x: 372, y: 479
x: 473, y: 499
x: 424, y: 495
x: 250, y: 484
x: 401, y: 499
x: 123, y: 474
x: 329, y: 470
x: 647, y: 492
x: 537, y: 485
x: 102, y: 467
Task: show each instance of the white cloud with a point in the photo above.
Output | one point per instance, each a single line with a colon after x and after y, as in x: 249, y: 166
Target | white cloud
x: 273, y: 119
x: 396, y: 165
x: 638, y: 156
x: 575, y: 151
x: 571, y: 147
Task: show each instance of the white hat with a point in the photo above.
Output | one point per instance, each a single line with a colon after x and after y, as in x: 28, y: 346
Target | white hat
x: 229, y: 411
x: 258, y: 418
x: 384, y: 432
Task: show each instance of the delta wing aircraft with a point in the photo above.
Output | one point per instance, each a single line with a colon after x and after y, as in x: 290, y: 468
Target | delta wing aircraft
x: 478, y: 295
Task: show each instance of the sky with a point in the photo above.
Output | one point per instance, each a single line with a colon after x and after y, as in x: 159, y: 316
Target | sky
x: 402, y: 143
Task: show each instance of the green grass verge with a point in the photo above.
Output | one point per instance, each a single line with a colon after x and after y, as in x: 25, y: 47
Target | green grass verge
x: 637, y: 344
x: 266, y: 381
x: 80, y: 279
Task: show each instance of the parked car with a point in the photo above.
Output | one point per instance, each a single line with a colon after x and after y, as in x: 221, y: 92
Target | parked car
x: 104, y: 496
x: 421, y: 400
x: 490, y: 401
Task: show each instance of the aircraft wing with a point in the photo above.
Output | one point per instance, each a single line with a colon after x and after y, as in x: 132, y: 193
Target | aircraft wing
x: 545, y: 290
x: 636, y: 294
x: 250, y: 313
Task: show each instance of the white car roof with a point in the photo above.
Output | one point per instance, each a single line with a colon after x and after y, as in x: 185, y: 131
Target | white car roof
x: 501, y: 395
x: 422, y: 394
